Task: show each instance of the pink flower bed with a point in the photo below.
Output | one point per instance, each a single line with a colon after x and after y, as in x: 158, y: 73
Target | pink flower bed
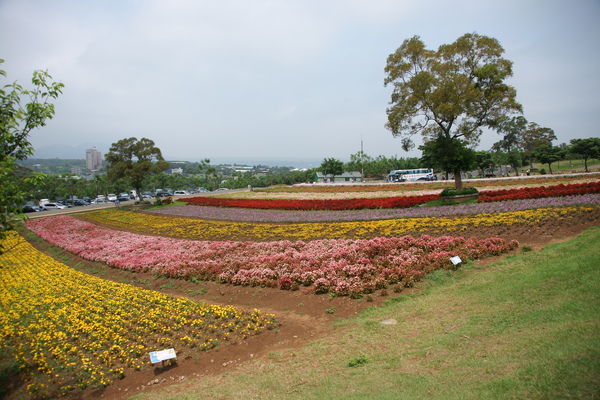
x: 343, y: 267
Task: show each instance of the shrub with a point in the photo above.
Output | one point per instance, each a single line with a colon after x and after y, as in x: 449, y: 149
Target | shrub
x: 358, y: 361
x: 453, y: 192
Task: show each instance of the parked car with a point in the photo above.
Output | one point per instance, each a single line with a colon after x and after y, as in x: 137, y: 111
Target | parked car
x: 202, y: 190
x: 123, y: 197
x: 181, y: 193
x: 220, y: 189
x: 112, y: 197
x: 100, y: 198
x: 30, y: 209
x: 76, y: 202
x: 54, y: 206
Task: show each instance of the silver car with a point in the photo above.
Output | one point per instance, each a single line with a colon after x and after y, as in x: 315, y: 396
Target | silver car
x: 54, y: 206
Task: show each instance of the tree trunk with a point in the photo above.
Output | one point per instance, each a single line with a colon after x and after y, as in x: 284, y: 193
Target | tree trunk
x: 458, y: 180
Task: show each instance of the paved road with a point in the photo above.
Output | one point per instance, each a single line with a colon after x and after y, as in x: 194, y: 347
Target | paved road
x: 91, y: 207
x: 71, y: 210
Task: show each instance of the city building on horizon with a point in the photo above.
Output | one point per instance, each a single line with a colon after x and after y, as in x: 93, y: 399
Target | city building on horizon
x: 93, y: 159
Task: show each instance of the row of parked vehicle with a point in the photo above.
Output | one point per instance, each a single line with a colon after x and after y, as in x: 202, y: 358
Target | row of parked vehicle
x: 46, y: 204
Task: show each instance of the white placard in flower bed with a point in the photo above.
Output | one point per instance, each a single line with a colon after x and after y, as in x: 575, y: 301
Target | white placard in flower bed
x: 162, y: 355
x: 455, y: 260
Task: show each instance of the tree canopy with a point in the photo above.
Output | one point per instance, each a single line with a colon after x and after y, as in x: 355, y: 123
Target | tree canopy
x: 450, y: 93
x: 535, y: 136
x: 133, y: 160
x: 21, y: 111
x: 331, y: 166
x: 433, y: 155
x: 548, y: 154
x: 586, y: 149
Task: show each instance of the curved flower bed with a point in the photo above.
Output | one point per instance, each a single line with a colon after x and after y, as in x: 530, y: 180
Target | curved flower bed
x: 330, y: 204
x: 257, y: 215
x: 559, y: 190
x: 66, y: 330
x: 343, y: 267
x: 199, y: 229
x: 541, y: 191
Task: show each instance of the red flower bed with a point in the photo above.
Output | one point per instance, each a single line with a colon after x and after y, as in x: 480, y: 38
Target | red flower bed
x: 331, y: 205
x: 540, y: 192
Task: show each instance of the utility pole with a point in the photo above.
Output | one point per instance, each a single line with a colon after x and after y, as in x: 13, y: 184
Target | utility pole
x: 362, y: 164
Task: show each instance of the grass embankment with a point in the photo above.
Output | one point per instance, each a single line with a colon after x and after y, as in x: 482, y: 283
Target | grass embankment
x: 525, y: 327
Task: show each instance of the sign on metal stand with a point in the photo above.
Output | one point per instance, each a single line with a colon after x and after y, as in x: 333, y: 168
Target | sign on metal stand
x: 162, y: 355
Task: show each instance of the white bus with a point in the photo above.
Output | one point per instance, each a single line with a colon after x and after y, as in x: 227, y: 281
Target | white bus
x: 419, y: 174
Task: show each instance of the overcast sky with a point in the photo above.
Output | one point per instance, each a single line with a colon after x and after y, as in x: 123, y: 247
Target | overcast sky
x: 280, y: 78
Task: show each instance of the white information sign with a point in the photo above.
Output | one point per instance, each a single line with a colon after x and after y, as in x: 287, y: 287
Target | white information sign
x: 162, y: 355
x: 455, y: 260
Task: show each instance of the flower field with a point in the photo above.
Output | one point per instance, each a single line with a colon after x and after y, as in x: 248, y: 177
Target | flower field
x: 342, y: 267
x: 274, y: 215
x: 66, y: 330
x: 359, y: 191
x: 199, y: 229
x: 306, y: 205
x: 535, y: 192
x: 559, y: 190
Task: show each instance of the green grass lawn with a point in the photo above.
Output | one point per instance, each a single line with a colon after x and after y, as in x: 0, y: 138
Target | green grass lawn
x: 566, y: 165
x: 526, y: 327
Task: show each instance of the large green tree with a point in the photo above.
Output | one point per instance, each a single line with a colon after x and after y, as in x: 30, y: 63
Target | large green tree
x: 533, y: 137
x: 133, y: 160
x: 548, y: 154
x: 331, y: 166
x: 21, y: 111
x: 433, y: 155
x: 586, y: 149
x: 512, y: 144
x: 450, y: 93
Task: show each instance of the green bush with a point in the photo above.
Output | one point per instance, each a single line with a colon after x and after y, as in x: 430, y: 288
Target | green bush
x: 453, y: 192
x: 358, y: 361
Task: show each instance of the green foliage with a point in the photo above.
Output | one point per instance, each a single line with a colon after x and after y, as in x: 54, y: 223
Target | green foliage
x: 380, y: 166
x: 453, y: 192
x: 132, y: 159
x: 448, y: 155
x: 586, y: 149
x: 358, y: 361
x: 331, y: 166
x: 16, y: 122
x: 484, y: 161
x: 535, y: 136
x: 450, y: 93
x: 548, y: 154
x: 511, y: 145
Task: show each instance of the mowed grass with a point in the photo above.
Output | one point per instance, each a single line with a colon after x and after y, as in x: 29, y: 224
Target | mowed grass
x: 526, y: 327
